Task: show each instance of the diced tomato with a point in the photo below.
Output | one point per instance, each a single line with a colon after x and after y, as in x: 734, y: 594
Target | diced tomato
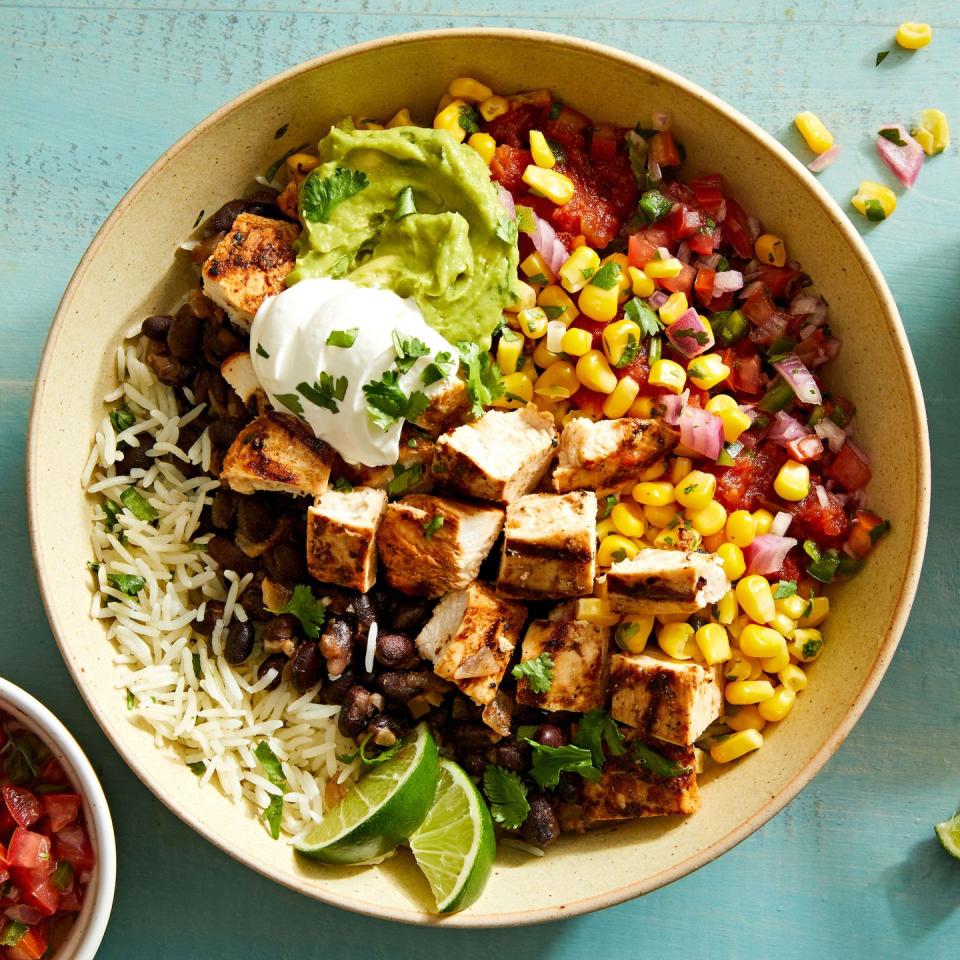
x: 860, y: 541
x: 614, y: 180
x: 639, y: 370
x: 827, y: 525
x: 7, y: 823
x: 791, y: 568
x: 747, y: 375
x: 61, y: 809
x: 681, y: 283
x: 603, y: 142
x: 72, y: 844
x: 29, y: 850
x: 702, y: 242
x: 507, y: 166
x: 758, y: 308
x: 663, y: 149
x: 52, y: 772
x: 849, y: 469
x: 37, y: 892
x: 513, y: 127
x: 32, y: 945
x: 703, y: 287
x: 587, y: 212
x: 748, y: 484
x: 709, y: 193
x: 776, y: 279
x: 736, y: 229
x: 683, y: 222
x: 805, y: 449
x: 567, y: 129
x: 640, y: 251
x: 589, y: 400
x: 71, y: 901
x: 24, y: 807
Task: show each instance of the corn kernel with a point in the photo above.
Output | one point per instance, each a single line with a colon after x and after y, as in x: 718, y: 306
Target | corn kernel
x: 493, y: 107
x: 746, y: 717
x: 764, y: 521
x: 663, y: 269
x: 659, y: 516
x: 734, y: 423
x: 679, y: 469
x: 712, y: 542
x: 527, y: 368
x: 738, y: 667
x: 509, y: 351
x: 543, y: 156
x: 594, y: 372
x: 671, y: 617
x: 708, y: 520
x: 696, y: 490
x: 558, y: 382
x: 654, y: 473
x: 756, y: 598
x: 819, y: 609
x: 770, y: 249
x: 777, y: 662
x: 707, y: 370
x: 793, y: 481
x: 597, y: 303
x: 654, y: 494
x: 301, y: 163
x: 597, y: 611
x: 713, y: 642
x: 517, y: 391
x: 778, y: 706
x: 618, y: 337
x: 466, y: 88
x: 676, y: 640
x: 643, y: 408
x: 537, y: 270
x: 741, y: 528
x: 484, y: 144
x: 806, y: 645
x: 738, y: 625
x: 620, y: 259
x: 913, y: 36
x: 640, y: 284
x: 748, y: 691
x: 935, y: 131
x: 757, y: 641
x: 577, y: 342
x: 727, y: 608
x: 732, y: 559
x: 448, y: 118
x: 819, y: 138
x: 533, y: 323
x: 673, y: 307
x: 615, y: 548
x: 400, y: 119
x: 577, y: 269
x: 542, y: 356
x: 721, y: 402
x: 634, y: 631
x: 628, y: 519
x: 793, y: 677
x: 624, y: 393
x: 736, y: 745
x: 526, y: 297
x: 557, y: 304
x: 548, y: 183
x: 670, y: 540
x: 782, y: 624
x: 606, y: 527
x: 667, y: 374
x: 792, y: 607
x: 874, y: 200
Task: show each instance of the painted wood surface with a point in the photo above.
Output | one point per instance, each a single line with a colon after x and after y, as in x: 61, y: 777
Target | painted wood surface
x: 92, y: 94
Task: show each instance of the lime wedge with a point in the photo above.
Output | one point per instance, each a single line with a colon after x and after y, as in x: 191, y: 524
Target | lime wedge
x: 382, y: 809
x: 454, y: 845
x: 948, y: 833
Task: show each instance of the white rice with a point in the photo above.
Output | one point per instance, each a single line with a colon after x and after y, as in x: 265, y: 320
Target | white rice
x: 218, y: 715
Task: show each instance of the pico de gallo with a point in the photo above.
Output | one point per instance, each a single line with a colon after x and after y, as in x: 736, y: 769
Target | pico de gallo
x: 45, y: 852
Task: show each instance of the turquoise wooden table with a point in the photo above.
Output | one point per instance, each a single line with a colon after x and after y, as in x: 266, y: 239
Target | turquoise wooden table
x: 94, y: 91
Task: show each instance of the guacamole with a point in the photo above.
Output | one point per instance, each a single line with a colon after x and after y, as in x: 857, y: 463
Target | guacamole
x: 412, y: 210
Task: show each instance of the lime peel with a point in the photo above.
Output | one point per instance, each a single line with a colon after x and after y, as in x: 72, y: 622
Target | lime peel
x: 948, y: 833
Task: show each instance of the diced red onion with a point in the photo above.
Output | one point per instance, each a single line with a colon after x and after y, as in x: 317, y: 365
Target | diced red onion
x: 690, y: 334
x: 825, y: 159
x: 21, y: 913
x: 804, y: 303
x: 904, y: 162
x: 555, y: 331
x: 774, y: 327
x: 767, y: 553
x: 548, y: 244
x: 701, y: 431
x: 750, y: 289
x: 807, y: 331
x: 711, y: 261
x: 726, y: 281
x: 683, y: 252
x: 506, y: 198
x: 653, y: 168
x: 660, y: 120
x: 801, y: 380
x: 663, y: 253
x: 657, y: 299
x: 858, y: 451
x: 755, y: 228
x: 781, y: 523
x: 822, y: 497
x: 673, y: 404
x: 784, y: 428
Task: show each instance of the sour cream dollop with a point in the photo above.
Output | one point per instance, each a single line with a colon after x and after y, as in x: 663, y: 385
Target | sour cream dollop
x: 289, y: 347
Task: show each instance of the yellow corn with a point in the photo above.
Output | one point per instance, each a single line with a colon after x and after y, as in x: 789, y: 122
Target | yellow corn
x: 663, y: 269
x: 721, y: 402
x: 448, y: 118
x: 793, y: 677
x: 301, y: 163
x: 597, y: 611
x: 874, y: 200
x: 671, y: 617
x: 654, y: 473
x: 793, y: 481
x: 738, y: 667
x: 925, y: 138
x: 624, y: 393
x: 667, y: 374
x: 778, y: 706
x: 517, y: 391
x: 484, y: 144
x: 713, y: 541
x: 734, y: 423
x: 533, y: 322
x: 757, y: 641
x: 713, y: 642
x: 696, y: 490
x: 770, y: 249
x: 819, y: 138
x: 670, y: 540
x: 618, y: 336
x: 493, y: 107
x: 679, y: 469
x: 741, y: 528
x: 509, y: 351
x: 764, y: 521
x: 597, y: 303
x: 606, y: 527
x: 640, y: 283
x: 400, y: 119
x: 756, y: 598
x: 615, y: 548
x: 748, y: 691
x: 466, y: 88
x: 708, y: 520
x: 528, y: 368
x: 736, y: 628
x: 543, y: 156
x: 913, y: 36
x: 642, y: 407
x: 736, y: 745
x: 557, y: 304
x: 673, y: 307
x: 537, y: 270
x: 577, y: 269
x: 792, y: 607
x: 820, y: 607
x: 526, y: 297
x: 934, y: 131
x: 634, y: 631
x: 782, y: 624
x: 676, y: 640
x: 558, y: 382
x: 594, y: 372
x: 659, y: 516
x: 725, y: 610
x: 628, y: 519
x: 707, y: 371
x: 746, y: 718
x: 577, y: 342
x: 806, y: 645
x: 543, y: 357
x: 775, y: 663
x: 732, y: 560
x: 654, y: 494
x: 548, y: 183
x: 620, y: 259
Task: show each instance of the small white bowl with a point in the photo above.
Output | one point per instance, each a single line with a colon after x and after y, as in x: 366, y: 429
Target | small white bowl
x: 87, y: 931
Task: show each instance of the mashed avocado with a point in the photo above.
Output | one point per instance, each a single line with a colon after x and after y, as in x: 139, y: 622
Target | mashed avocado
x: 412, y: 210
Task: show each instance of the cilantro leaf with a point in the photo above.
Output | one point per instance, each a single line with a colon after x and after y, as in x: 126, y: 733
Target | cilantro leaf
x: 875, y: 211
x: 432, y: 526
x: 700, y: 336
x: 538, y: 672
x: 342, y: 485
x: 387, y: 403
x: 362, y: 753
x: 307, y: 609
x: 879, y: 531
x: 550, y: 762
x: 507, y: 794
x: 320, y: 194
x: 554, y: 312
x: 556, y: 108
x: 133, y: 500
x: 893, y: 135
x: 121, y: 418
x: 609, y: 502
x: 408, y: 350
x: 405, y: 205
x: 640, y: 313
x: 263, y: 353
x: 292, y: 402
x: 197, y: 768
x: 404, y: 479
x: 881, y: 56
x: 506, y: 231
x: 484, y: 384
x: 438, y: 369
x: 469, y: 119
x: 126, y: 583
x: 111, y: 508
x: 131, y: 700
x: 607, y: 276
x: 629, y: 354
x: 658, y: 764
x: 822, y: 566
x: 596, y: 728
x: 342, y: 338
x: 325, y: 392
x: 274, y: 771
x: 785, y: 588
x: 654, y: 206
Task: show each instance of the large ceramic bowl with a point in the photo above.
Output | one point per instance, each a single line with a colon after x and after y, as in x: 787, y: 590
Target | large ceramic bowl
x: 132, y: 270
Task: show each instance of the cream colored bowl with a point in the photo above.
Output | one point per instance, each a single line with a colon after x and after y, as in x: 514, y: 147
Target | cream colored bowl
x: 132, y: 269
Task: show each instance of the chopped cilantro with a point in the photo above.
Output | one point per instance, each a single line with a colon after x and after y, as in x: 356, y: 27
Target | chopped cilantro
x: 658, y: 764
x: 556, y: 108
x: 629, y: 354
x: 62, y: 877
x: 484, y: 384
x: 507, y: 795
x: 126, y: 583
x: 609, y: 502
x: 404, y: 205
x: 785, y: 588
x: 469, y: 119
x: 197, y: 768
x: 438, y: 369
x: 539, y: 279
x: 625, y: 632
x: 321, y: 194
x: 893, y: 135
x: 292, y: 402
x: 343, y: 338
x: 554, y: 312
x: 808, y: 609
x: 325, y: 392
x: 404, y: 479
x: 640, y: 313
x: 879, y: 531
x: 131, y: 700
x: 274, y: 771
x: 111, y: 508
x: 342, y: 485
x: 506, y: 230
x: 692, y: 333
x: 432, y: 526
x: 122, y: 418
x: 881, y: 56
x: 271, y: 171
x: 595, y: 729
x: 307, y: 609
x: 607, y: 276
x: 812, y: 647
x: 538, y: 672
x: 550, y: 762
x: 654, y: 206
x: 618, y: 556
x: 134, y: 501
x: 875, y: 211
x: 387, y: 403
x: 588, y: 272
x: 12, y: 934
x: 381, y: 757
x: 823, y: 565
x: 263, y: 353
x: 408, y: 350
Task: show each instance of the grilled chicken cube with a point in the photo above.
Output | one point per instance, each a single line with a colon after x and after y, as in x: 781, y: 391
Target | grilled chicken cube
x: 668, y: 699
x: 249, y: 264
x: 432, y: 545
x: 277, y: 452
x: 499, y: 457
x: 410, y: 474
x: 448, y: 404
x: 664, y: 581
x: 237, y: 370
x: 627, y: 789
x: 470, y: 639
x: 578, y: 650
x: 341, y: 537
x: 549, y: 546
x: 605, y: 454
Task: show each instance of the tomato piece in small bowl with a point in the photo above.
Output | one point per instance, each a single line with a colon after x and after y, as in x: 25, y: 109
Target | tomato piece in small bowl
x: 22, y: 805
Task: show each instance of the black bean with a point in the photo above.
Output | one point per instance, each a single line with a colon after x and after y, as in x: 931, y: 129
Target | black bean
x: 550, y: 735
x: 385, y: 730
x: 281, y: 628
x: 408, y: 616
x: 252, y: 601
x: 156, y: 327
x: 473, y: 763
x: 222, y: 509
x: 401, y: 686
x: 365, y: 611
x: 228, y: 556
x: 223, y: 432
x: 184, y: 335
x: 224, y: 217
x: 396, y: 650
x: 169, y: 369
x: 359, y: 707
x: 219, y: 342
x: 239, y: 645
x: 568, y: 788
x: 212, y: 612
x: 255, y: 519
x: 135, y: 458
x: 307, y: 666
x: 277, y: 662
x: 541, y: 827
x: 336, y: 690
x: 285, y: 563
x: 513, y: 756
x: 470, y: 735
x: 336, y: 644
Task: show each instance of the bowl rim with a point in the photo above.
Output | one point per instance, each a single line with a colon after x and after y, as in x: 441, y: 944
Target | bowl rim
x: 103, y: 883
x: 917, y: 417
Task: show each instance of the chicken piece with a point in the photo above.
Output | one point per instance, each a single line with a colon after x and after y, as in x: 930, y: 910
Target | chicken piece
x: 668, y: 699
x: 664, y: 581
x: 410, y: 474
x: 549, y: 546
x: 605, y: 454
x: 579, y: 653
x: 499, y: 457
x: 627, y: 789
x: 249, y: 265
x: 431, y: 545
x: 341, y: 537
x: 448, y: 405
x: 237, y: 370
x: 277, y: 452
x: 470, y: 639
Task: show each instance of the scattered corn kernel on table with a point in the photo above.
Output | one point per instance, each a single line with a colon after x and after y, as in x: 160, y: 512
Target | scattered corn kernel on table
x: 96, y: 90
